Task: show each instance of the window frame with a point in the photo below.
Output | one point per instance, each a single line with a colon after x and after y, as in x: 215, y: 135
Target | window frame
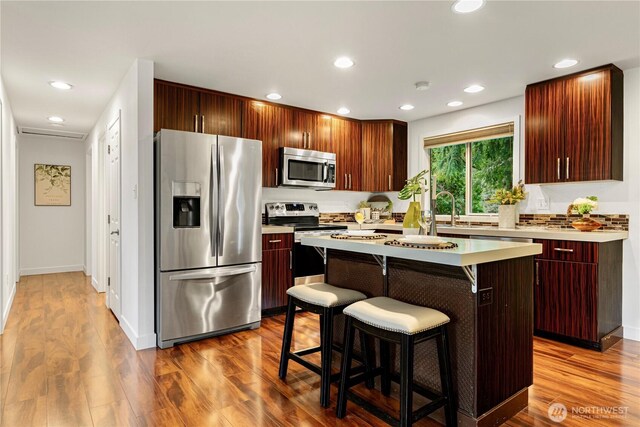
x: 468, y: 159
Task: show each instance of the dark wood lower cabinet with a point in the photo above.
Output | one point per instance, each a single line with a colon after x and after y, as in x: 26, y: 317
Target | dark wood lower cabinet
x: 578, y: 293
x: 276, y: 273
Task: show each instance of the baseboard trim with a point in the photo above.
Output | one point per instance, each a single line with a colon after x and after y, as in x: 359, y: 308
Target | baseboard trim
x: 631, y: 333
x: 139, y: 343
x: 7, y: 309
x: 95, y: 284
x: 50, y: 270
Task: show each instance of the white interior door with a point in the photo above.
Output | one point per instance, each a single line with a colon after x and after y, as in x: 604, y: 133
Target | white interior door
x: 113, y: 212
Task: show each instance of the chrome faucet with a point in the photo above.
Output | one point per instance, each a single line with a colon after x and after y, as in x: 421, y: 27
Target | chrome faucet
x: 433, y: 230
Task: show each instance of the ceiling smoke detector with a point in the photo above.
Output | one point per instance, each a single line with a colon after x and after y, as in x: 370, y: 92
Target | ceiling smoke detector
x: 422, y: 85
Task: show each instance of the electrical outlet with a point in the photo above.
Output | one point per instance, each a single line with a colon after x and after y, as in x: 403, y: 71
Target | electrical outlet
x: 485, y: 296
x: 542, y: 203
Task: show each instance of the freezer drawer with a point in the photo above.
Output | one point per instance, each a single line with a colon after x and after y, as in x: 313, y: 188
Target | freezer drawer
x: 207, y: 301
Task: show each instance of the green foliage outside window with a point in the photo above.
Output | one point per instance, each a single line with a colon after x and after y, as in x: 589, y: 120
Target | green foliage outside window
x: 491, y: 169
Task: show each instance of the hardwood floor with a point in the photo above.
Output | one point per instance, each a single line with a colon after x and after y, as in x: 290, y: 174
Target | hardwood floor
x: 64, y: 361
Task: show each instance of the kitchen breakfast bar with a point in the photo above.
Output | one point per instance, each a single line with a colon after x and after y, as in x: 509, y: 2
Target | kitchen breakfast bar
x: 486, y: 289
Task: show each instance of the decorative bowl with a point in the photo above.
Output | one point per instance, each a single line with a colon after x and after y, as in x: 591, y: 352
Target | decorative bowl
x: 586, y: 224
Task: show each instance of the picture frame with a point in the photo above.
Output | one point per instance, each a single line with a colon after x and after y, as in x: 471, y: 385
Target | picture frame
x: 52, y: 185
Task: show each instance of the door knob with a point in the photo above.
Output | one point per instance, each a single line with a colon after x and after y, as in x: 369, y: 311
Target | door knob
x: 116, y: 232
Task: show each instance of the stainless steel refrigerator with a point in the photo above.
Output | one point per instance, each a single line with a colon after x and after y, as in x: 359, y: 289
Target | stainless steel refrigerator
x: 208, y: 191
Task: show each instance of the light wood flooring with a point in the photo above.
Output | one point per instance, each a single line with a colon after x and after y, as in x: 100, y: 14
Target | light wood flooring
x: 64, y: 361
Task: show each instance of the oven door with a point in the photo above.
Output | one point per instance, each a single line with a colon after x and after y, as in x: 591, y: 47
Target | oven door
x: 305, y: 168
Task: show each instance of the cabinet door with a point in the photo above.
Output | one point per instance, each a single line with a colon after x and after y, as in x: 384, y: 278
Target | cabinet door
x: 311, y: 131
x: 399, y: 157
x: 566, y: 299
x: 377, y: 156
x: 588, y: 147
x: 544, y: 139
x: 276, y: 278
x: 346, y: 142
x: 220, y: 115
x: 175, y: 107
x: 270, y: 124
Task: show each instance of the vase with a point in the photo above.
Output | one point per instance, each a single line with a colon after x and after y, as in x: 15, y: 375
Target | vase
x: 507, y: 216
x: 586, y: 224
x: 410, y: 225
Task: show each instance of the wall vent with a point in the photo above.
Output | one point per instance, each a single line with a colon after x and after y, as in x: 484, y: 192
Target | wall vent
x: 53, y: 133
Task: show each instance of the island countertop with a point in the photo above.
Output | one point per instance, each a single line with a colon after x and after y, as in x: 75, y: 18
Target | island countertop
x: 468, y: 252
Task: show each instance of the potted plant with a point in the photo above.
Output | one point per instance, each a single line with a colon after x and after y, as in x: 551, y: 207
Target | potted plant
x: 583, y: 206
x: 413, y: 187
x: 508, y: 201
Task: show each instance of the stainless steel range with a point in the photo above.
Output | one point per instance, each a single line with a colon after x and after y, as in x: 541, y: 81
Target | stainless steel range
x: 308, y: 265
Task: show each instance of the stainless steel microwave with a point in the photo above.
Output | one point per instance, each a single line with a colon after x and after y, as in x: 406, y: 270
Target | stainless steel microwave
x: 307, y: 168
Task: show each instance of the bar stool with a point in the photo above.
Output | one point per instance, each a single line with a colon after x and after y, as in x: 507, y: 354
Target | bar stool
x: 396, y: 322
x: 327, y: 301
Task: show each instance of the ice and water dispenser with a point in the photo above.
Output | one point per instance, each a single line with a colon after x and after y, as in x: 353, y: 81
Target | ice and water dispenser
x: 186, y: 204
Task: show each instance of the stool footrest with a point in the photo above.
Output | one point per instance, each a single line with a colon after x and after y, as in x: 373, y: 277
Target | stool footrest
x: 428, y: 408
x: 384, y: 416
x: 310, y: 366
x: 306, y: 351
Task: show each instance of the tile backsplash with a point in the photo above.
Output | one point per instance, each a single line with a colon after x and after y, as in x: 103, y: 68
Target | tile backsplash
x: 609, y: 221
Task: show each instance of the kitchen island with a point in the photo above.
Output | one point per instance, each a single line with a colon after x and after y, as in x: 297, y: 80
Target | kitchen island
x: 485, y: 287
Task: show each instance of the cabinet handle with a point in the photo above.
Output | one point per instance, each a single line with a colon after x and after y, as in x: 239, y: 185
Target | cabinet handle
x: 290, y: 260
x: 563, y: 250
x: 567, y: 177
x: 346, y: 185
x: 195, y: 123
x: 350, y: 181
x: 389, y: 182
x: 304, y: 140
x: 309, y: 140
x: 558, y: 168
x: 275, y: 241
x: 537, y: 273
x: 202, y: 124
x: 276, y: 177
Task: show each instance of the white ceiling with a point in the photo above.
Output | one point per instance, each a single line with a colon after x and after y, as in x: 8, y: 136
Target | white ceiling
x: 252, y: 48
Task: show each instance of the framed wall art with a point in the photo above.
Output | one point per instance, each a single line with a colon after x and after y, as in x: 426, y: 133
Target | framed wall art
x: 52, y: 185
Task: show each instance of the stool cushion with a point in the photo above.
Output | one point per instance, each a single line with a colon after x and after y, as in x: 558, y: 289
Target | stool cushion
x: 396, y: 316
x: 325, y: 295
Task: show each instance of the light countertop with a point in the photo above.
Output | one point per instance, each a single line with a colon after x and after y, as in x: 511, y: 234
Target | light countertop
x: 522, y: 232
x: 276, y: 229
x: 468, y: 252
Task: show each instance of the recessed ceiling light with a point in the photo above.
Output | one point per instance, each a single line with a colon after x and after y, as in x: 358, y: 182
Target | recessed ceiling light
x: 454, y: 103
x: 343, y: 62
x: 407, y: 107
x: 474, y: 89
x: 343, y: 110
x: 58, y: 125
x: 60, y: 85
x: 467, y: 6
x: 565, y: 63
x: 274, y: 96
x: 55, y: 119
x: 422, y: 85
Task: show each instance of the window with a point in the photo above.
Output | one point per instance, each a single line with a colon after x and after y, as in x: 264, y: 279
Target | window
x: 471, y: 165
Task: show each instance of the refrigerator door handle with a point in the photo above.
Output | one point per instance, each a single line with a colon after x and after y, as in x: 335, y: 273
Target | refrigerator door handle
x: 214, y: 275
x: 213, y: 200
x: 222, y: 190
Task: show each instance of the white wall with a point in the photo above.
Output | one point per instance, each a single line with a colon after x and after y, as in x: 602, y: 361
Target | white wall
x: 8, y: 208
x: 615, y: 197
x: 52, y: 238
x: 133, y: 101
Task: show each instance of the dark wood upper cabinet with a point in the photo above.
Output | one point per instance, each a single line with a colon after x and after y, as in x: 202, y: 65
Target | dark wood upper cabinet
x: 175, y: 107
x: 544, y: 132
x: 573, y: 127
x: 271, y: 125
x: 181, y: 107
x: 346, y: 142
x: 311, y: 131
x: 220, y: 115
x: 384, y: 155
